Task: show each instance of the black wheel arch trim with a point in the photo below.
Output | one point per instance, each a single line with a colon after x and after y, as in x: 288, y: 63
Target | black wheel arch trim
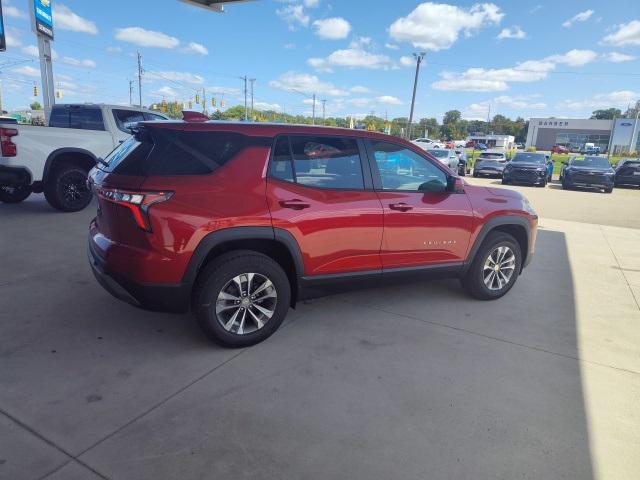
x: 48, y: 166
x: 490, y: 225
x: 213, y: 239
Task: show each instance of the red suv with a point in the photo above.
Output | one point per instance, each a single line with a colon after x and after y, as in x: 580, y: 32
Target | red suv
x: 238, y: 222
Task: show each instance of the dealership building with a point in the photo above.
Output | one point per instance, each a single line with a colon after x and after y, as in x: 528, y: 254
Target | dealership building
x: 616, y: 135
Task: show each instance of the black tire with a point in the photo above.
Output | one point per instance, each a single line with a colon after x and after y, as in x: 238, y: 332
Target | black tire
x: 14, y: 194
x: 542, y: 184
x: 473, y: 281
x: 475, y: 174
x: 565, y: 185
x: 505, y: 182
x: 217, y: 277
x: 66, y: 190
x: 462, y: 171
x: 608, y: 190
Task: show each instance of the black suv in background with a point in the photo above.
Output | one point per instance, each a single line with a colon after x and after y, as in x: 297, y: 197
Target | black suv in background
x: 588, y: 172
x: 628, y: 172
x: 526, y: 167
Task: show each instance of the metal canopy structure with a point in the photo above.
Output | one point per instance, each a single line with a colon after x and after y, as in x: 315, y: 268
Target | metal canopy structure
x: 213, y: 5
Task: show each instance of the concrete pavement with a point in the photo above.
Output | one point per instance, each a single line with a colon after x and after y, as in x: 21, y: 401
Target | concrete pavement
x: 402, y: 381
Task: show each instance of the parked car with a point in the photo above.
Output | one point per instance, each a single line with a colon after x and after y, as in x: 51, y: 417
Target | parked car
x: 559, y: 149
x: 463, y: 165
x: 460, y: 143
x: 490, y: 163
x: 56, y: 159
x: 480, y: 146
x: 173, y: 232
x: 526, y: 167
x: 519, y: 146
x: 449, y: 144
x: 588, y: 172
x: 446, y: 157
x: 628, y: 172
x: 426, y: 143
x: 592, y: 151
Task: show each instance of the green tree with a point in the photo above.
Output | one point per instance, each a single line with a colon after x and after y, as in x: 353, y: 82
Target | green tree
x: 452, y: 116
x: 36, y: 106
x: 606, y: 114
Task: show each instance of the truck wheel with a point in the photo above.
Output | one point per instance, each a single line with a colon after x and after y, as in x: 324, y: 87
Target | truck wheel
x: 14, y: 194
x: 66, y: 190
x: 495, y: 268
x: 241, y: 298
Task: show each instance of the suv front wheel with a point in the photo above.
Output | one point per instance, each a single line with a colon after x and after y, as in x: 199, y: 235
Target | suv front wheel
x: 495, y: 267
x: 242, y: 298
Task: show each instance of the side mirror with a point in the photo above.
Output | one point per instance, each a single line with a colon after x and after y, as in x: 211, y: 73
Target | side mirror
x: 433, y: 186
x: 455, y: 185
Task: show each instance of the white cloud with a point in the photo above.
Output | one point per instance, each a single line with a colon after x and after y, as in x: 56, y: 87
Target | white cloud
x: 311, y: 3
x: 391, y: 46
x: 498, y: 79
x: 626, y: 34
x: 13, y: 12
x: 351, y: 58
x: 114, y: 49
x: 407, y: 61
x: 332, y: 28
x: 479, y: 111
x: 12, y: 37
x: 574, y: 58
x: 27, y: 71
x: 173, y: 76
x: 578, y: 17
x: 307, y: 84
x: 389, y: 100
x: 146, y: 38
x: 263, y: 106
x: 618, y: 98
x: 514, y: 32
x: 65, y: 19
x: 196, y: 48
x: 31, y: 50
x: 166, y: 91
x: 437, y: 26
x: 74, y: 62
x: 617, y: 57
x: 359, y: 89
x: 223, y: 90
x: 294, y: 15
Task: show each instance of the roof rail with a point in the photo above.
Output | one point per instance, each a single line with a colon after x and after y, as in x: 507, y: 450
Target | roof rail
x: 190, y: 116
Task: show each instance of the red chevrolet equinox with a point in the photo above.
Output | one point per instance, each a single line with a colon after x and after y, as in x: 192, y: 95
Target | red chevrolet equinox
x: 237, y: 222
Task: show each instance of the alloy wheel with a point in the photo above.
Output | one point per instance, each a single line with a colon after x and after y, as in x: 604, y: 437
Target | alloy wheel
x: 246, y: 303
x: 499, y: 268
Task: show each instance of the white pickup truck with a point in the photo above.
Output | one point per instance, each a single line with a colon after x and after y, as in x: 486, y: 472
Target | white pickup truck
x: 55, y: 160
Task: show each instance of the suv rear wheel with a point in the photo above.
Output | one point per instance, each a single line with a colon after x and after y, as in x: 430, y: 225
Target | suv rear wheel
x: 242, y: 298
x: 66, y: 190
x: 495, y: 267
x: 14, y: 194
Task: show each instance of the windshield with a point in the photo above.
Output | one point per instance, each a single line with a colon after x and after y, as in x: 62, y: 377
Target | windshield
x: 529, y: 158
x: 491, y: 156
x: 439, y: 153
x: 593, y: 162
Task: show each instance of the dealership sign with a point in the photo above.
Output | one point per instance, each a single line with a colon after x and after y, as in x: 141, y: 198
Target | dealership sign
x: 3, y: 42
x: 43, y: 18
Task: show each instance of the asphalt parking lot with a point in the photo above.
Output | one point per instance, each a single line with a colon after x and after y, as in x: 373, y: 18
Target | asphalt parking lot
x: 407, y: 381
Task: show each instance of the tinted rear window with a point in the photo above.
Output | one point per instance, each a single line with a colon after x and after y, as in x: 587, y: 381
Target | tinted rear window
x: 166, y: 152
x: 83, y: 118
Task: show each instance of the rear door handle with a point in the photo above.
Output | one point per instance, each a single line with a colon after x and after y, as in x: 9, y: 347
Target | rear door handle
x: 294, y: 204
x: 402, y: 207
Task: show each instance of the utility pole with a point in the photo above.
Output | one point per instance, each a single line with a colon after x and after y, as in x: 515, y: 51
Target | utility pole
x: 633, y: 134
x: 252, y: 80
x: 140, y: 78
x: 131, y: 92
x: 418, y: 57
x: 204, y: 101
x: 489, y: 120
x: 324, y: 105
x: 246, y: 112
x: 314, y: 109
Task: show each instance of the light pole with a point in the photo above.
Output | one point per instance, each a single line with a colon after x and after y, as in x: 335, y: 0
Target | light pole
x: 418, y: 57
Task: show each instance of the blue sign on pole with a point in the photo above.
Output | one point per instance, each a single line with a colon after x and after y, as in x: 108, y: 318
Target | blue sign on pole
x: 3, y: 43
x: 43, y: 17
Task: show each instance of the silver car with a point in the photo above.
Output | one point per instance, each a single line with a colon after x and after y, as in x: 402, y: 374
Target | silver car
x: 446, y: 156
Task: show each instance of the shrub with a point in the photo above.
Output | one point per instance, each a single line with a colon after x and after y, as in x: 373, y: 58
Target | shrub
x: 531, y: 149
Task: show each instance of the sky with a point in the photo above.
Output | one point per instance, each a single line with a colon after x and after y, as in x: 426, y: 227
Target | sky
x: 512, y: 57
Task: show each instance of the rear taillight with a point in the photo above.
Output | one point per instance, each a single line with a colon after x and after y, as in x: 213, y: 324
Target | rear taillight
x: 9, y: 149
x: 138, y: 202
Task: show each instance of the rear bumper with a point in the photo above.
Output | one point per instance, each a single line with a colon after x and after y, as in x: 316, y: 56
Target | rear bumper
x: 157, y: 297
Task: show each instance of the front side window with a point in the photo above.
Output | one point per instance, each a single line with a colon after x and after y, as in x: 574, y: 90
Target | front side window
x: 403, y: 169
x: 86, y: 118
x: 317, y: 161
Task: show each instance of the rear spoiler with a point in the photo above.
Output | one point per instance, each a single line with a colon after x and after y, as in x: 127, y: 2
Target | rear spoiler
x: 190, y: 116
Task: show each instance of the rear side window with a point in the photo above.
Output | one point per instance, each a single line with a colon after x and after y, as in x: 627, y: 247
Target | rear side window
x: 166, y: 152
x: 59, y: 117
x: 318, y: 161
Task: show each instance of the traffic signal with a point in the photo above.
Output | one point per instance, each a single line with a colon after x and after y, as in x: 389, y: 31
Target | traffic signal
x: 198, y: 99
x: 190, y: 104
x: 59, y: 94
x: 213, y: 102
x: 36, y: 93
x: 222, y: 103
